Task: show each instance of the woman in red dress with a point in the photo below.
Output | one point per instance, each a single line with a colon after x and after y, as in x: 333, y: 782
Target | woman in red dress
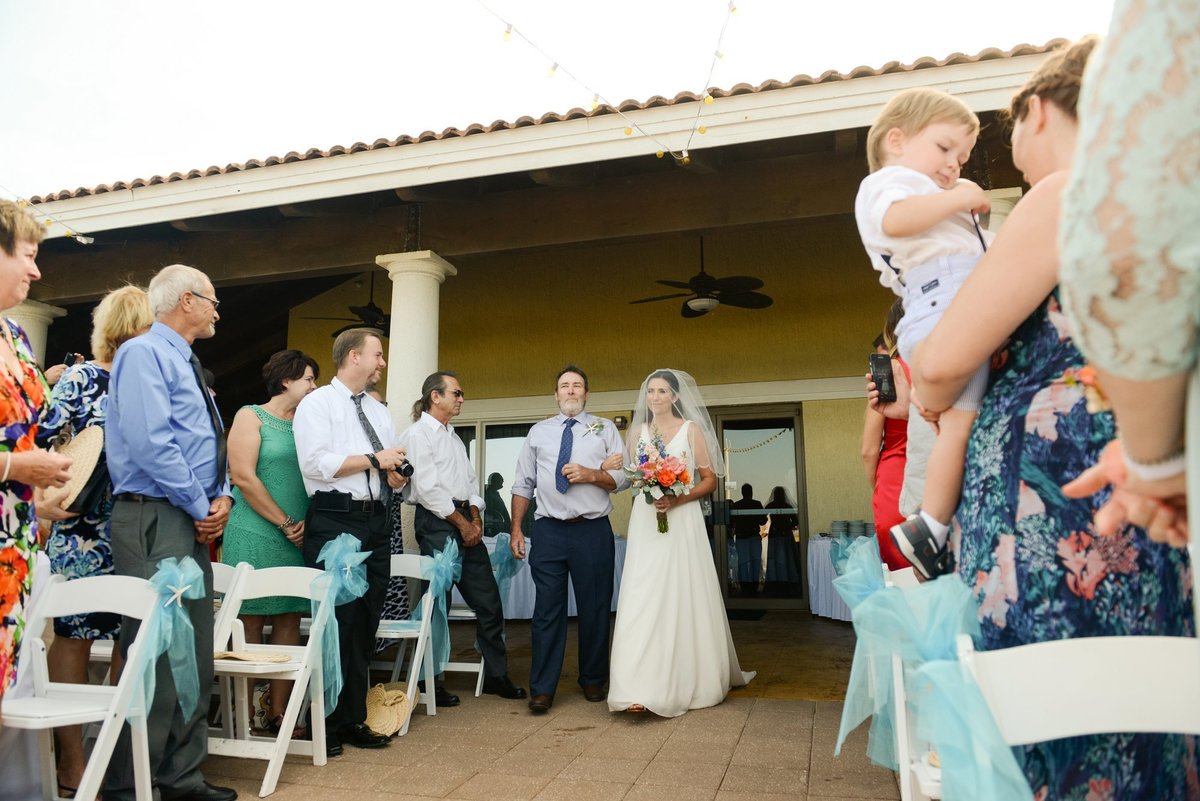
x: 885, y: 440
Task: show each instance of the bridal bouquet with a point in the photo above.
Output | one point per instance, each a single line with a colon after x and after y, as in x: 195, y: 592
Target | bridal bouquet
x: 656, y: 474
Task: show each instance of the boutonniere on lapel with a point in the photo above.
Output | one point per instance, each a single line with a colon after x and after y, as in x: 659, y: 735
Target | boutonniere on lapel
x: 594, y: 427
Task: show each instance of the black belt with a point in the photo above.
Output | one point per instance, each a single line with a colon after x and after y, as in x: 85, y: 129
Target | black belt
x: 137, y: 498
x: 572, y: 521
x: 338, y: 502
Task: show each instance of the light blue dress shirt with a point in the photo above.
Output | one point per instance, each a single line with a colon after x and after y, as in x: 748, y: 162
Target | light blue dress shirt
x: 158, y: 435
x: 539, y: 459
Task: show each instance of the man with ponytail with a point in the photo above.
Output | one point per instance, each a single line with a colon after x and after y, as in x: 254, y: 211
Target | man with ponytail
x: 446, y: 493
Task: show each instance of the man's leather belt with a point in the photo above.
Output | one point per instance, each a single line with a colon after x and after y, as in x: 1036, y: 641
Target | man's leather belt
x: 137, y: 498
x: 339, y: 502
x: 572, y: 521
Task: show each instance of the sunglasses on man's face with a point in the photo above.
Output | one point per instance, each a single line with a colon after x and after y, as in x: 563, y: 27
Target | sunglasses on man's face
x: 458, y: 393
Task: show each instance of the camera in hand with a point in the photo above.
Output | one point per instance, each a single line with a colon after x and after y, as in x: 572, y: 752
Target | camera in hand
x: 70, y: 359
x: 881, y: 374
x: 405, y: 469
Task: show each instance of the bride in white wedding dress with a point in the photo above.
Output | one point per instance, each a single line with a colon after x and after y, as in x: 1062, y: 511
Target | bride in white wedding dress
x: 672, y: 650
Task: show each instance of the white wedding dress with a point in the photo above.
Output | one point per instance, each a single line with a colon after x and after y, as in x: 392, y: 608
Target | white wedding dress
x: 672, y: 650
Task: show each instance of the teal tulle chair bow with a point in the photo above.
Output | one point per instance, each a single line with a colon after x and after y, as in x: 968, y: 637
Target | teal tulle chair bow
x: 839, y: 550
x: 446, y: 568
x: 344, y: 579
x: 171, y: 631
x: 505, y: 565
x: 869, y: 692
x: 921, y: 625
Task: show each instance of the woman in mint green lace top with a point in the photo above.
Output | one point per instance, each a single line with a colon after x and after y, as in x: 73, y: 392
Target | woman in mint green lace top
x: 1131, y: 259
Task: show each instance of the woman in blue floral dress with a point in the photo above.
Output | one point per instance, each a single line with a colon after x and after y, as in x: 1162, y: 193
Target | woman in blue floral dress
x: 80, y: 544
x: 1038, y: 569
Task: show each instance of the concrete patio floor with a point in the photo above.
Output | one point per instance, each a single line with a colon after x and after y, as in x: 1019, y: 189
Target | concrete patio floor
x: 770, y: 741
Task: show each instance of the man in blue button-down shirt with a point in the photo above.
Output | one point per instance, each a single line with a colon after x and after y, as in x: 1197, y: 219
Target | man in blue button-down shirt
x: 573, y: 537
x: 166, y: 456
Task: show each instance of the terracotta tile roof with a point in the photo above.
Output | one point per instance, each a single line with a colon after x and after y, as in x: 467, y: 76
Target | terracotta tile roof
x: 657, y: 101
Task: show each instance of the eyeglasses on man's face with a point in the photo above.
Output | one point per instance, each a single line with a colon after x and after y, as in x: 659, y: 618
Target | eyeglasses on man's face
x: 216, y: 304
x: 458, y: 393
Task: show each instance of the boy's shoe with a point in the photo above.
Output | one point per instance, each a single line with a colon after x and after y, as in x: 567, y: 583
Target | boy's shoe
x: 916, y: 542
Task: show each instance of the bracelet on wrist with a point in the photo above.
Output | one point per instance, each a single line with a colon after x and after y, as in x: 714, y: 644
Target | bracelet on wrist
x: 286, y: 524
x: 373, y: 460
x: 1169, y: 466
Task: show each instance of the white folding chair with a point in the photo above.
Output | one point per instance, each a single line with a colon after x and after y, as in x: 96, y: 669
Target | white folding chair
x: 55, y: 704
x: 304, y: 668
x: 226, y: 581
x: 462, y: 612
x: 919, y: 779
x: 414, y: 631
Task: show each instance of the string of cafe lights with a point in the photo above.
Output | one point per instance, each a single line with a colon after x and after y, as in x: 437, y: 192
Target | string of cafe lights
x: 682, y: 156
x: 762, y: 444
x: 47, y: 219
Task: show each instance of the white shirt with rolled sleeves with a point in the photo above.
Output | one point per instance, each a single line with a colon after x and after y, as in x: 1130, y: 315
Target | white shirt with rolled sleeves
x: 953, y: 236
x: 327, y: 431
x: 442, y: 472
x: 595, y: 440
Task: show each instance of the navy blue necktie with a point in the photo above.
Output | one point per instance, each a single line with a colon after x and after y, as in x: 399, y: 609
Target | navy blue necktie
x: 564, y: 455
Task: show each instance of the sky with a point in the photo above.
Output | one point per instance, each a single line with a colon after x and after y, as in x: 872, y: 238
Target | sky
x: 122, y: 89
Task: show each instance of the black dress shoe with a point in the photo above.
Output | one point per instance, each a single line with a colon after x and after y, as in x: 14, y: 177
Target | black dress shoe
x: 207, y: 792
x: 441, y: 695
x: 540, y: 704
x: 333, y: 746
x: 360, y: 736
x: 503, y: 687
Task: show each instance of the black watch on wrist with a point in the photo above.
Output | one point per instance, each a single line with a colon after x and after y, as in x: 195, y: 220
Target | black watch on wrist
x: 374, y: 462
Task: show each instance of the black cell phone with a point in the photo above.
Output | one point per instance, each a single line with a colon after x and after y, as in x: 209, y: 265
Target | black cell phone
x: 881, y: 374
x: 69, y: 359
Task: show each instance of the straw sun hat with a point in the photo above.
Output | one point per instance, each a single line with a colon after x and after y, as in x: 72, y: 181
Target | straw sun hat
x: 388, y: 707
x: 84, y: 449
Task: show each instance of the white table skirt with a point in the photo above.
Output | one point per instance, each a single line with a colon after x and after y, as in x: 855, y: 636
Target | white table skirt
x: 823, y: 599
x: 521, y: 592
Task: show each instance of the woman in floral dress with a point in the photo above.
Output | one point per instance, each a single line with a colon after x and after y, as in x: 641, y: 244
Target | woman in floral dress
x: 80, y: 544
x: 1038, y: 568
x: 23, y: 465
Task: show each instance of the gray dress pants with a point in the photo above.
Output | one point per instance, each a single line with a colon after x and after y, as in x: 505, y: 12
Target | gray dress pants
x: 144, y: 533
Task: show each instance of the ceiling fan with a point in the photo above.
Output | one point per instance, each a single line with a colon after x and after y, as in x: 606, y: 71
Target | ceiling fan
x: 369, y: 316
x: 707, y: 292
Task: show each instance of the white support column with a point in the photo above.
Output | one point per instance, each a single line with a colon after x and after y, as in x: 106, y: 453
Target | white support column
x: 413, y: 340
x: 35, y: 317
x: 1003, y: 201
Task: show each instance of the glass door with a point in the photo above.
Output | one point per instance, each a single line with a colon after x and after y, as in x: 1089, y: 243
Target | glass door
x: 759, y: 549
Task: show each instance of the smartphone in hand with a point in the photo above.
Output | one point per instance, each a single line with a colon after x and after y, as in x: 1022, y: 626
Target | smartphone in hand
x: 881, y: 374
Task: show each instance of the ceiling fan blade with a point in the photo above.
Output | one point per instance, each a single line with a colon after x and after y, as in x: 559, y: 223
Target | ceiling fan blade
x: 661, y: 297
x: 688, y: 312
x: 737, y: 283
x: 747, y: 300
x: 676, y: 284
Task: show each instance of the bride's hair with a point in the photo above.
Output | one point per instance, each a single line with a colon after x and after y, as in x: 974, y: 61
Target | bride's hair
x: 673, y: 383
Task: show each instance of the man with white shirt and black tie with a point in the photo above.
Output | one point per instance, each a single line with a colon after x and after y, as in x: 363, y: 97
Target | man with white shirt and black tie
x: 563, y: 460
x: 347, y: 448
x: 446, y: 493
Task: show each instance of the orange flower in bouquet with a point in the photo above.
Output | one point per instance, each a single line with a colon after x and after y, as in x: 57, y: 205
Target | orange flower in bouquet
x: 658, y: 474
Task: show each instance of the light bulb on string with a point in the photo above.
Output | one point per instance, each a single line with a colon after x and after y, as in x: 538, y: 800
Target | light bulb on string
x: 659, y: 154
x: 686, y: 159
x: 702, y: 130
x: 629, y: 132
x: 719, y: 54
x: 732, y: 7
x: 708, y: 99
x: 508, y: 33
x: 550, y: 73
x: 595, y: 102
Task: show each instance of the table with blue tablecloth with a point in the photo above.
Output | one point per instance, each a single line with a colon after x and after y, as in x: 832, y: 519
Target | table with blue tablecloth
x: 823, y: 599
x: 519, y: 603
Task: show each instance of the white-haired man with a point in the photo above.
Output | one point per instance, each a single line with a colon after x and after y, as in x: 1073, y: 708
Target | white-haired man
x: 166, y: 454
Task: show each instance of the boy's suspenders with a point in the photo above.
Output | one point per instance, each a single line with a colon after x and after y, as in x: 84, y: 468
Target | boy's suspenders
x: 978, y: 232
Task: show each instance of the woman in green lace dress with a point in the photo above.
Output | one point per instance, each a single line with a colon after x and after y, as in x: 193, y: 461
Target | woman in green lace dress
x: 266, y: 526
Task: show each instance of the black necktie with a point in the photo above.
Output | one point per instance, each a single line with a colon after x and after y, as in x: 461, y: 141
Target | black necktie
x: 384, y: 490
x: 215, y: 418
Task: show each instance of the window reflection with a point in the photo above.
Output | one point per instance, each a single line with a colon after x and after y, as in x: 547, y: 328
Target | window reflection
x: 503, y: 446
